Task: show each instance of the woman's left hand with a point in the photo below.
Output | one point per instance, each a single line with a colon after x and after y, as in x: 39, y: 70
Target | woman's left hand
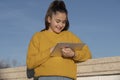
x: 68, y: 52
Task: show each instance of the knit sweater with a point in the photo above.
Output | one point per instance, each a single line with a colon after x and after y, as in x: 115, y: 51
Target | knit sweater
x: 38, y: 56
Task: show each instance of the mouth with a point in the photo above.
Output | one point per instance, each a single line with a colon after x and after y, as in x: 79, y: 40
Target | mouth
x: 59, y: 28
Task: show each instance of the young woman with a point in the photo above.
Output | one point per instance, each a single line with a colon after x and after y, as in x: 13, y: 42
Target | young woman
x: 42, y: 44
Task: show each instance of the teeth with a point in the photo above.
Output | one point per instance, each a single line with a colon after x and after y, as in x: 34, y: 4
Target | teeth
x: 59, y: 28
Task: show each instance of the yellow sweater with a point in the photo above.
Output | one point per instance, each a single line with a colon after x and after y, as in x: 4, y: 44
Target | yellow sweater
x: 38, y: 56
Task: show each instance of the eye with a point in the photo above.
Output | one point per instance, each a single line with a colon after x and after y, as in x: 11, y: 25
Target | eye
x: 58, y: 21
x: 64, y: 22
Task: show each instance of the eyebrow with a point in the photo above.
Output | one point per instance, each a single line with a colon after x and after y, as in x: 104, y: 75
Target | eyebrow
x: 61, y: 20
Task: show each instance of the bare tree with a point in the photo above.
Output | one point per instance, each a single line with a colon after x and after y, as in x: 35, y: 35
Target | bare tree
x: 4, y: 64
x: 8, y: 63
x: 14, y: 63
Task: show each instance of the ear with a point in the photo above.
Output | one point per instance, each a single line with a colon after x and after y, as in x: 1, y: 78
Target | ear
x: 49, y: 19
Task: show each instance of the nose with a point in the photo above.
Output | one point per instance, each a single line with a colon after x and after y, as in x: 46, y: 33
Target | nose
x: 61, y: 24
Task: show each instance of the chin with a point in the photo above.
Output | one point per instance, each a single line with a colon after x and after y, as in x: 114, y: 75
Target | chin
x: 57, y: 32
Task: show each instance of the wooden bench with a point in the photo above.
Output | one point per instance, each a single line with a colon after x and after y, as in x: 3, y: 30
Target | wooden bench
x: 95, y: 68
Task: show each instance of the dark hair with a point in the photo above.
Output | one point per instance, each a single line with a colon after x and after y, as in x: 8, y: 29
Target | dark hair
x: 56, y: 6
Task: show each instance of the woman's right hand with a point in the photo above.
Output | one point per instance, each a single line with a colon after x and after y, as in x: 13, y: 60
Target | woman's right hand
x: 51, y: 49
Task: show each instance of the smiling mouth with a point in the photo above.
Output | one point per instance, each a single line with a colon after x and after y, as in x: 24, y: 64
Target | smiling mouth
x: 59, y: 28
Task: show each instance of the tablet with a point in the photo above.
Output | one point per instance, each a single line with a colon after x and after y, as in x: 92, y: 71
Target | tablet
x: 59, y: 46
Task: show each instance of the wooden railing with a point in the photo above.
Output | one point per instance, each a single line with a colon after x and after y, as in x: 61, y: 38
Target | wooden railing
x: 93, y: 69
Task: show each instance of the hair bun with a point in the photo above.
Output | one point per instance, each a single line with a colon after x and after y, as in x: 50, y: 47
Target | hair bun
x: 58, y: 4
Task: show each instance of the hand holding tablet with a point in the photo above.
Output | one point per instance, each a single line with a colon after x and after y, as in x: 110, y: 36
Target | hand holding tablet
x: 57, y: 50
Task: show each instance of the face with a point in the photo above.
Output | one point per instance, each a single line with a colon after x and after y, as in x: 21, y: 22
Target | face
x: 57, y: 22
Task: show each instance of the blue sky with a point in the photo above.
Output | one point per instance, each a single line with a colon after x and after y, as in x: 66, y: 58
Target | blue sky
x: 95, y: 22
